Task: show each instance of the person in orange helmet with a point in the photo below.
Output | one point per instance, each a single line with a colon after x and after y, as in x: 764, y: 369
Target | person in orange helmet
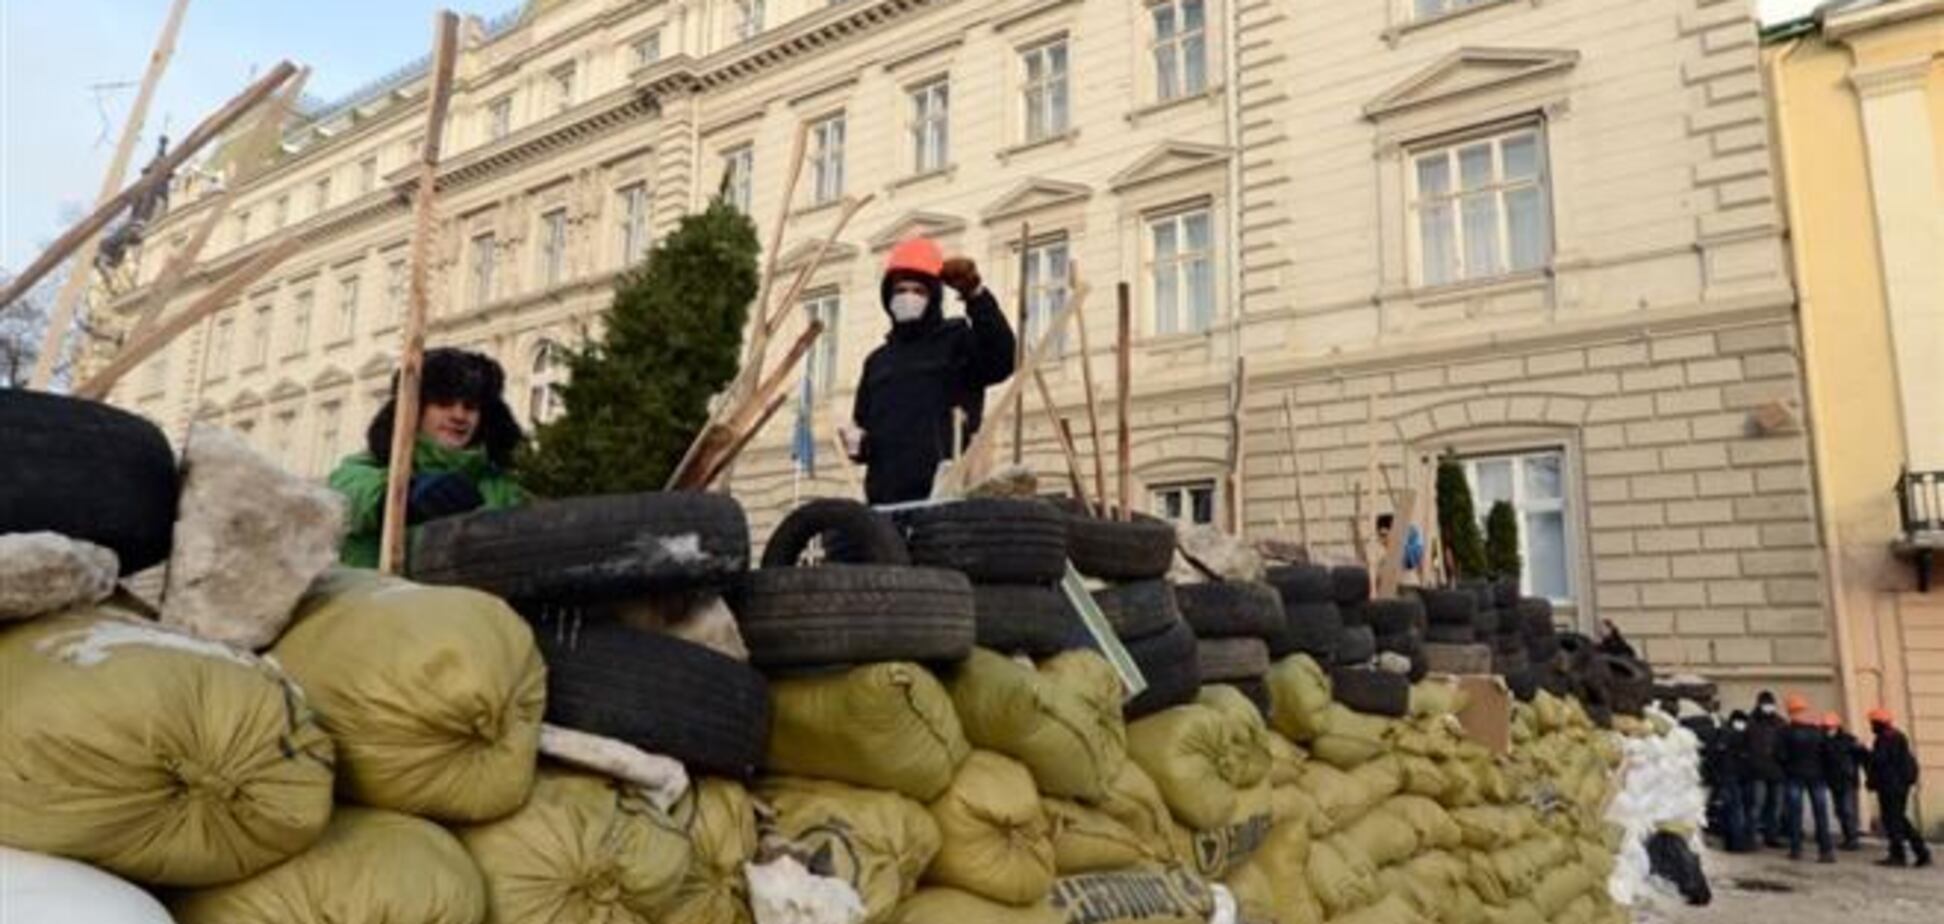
x: 928, y: 367
x: 1892, y: 773
x: 1801, y: 752
x: 1842, y: 755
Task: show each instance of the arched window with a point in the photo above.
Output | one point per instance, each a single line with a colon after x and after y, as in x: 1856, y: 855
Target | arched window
x: 549, y: 369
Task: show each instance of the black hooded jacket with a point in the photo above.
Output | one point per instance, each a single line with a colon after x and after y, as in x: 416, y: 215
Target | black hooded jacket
x: 1764, y: 740
x: 1801, y: 752
x: 1893, y: 768
x: 1842, y: 755
x: 912, y: 382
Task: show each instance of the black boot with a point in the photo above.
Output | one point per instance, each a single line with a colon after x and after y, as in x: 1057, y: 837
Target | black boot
x: 1850, y: 845
x: 1894, y: 860
x: 1923, y: 859
x: 1827, y: 856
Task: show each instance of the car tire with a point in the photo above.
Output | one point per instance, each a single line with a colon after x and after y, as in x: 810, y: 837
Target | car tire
x: 1371, y: 691
x: 1313, y: 629
x: 89, y: 472
x: 1393, y: 617
x: 1231, y: 609
x: 1535, y: 616
x: 1302, y: 584
x: 1630, y: 682
x: 1225, y: 660
x: 1449, y: 607
x: 854, y: 614
x: 1350, y: 585
x: 1170, y: 663
x: 1141, y: 549
x: 991, y: 540
x: 1356, y: 645
x: 852, y: 534
x: 1139, y: 609
x: 1450, y: 635
x: 1027, y: 619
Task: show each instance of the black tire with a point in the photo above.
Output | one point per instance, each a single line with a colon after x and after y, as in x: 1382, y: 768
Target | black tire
x: 1449, y: 607
x: 1535, y: 616
x: 852, y: 534
x: 1231, y: 609
x: 1225, y: 660
x: 1503, y: 663
x: 1404, y: 643
x: 1350, y: 585
x: 1393, y: 617
x: 87, y: 471
x: 992, y: 540
x: 1355, y: 614
x: 1140, y: 609
x: 1542, y: 650
x: 1303, y: 584
x: 1356, y: 645
x: 1372, y: 692
x: 589, y: 549
x: 1035, y: 621
x: 656, y: 692
x: 1505, y: 594
x: 1523, y: 684
x: 1139, y: 550
x: 1313, y: 629
x: 1555, y: 681
x: 854, y: 614
x: 1509, y: 644
x: 1172, y: 668
x: 1442, y: 634
x: 1631, y: 684
x: 1480, y: 590
x: 1487, y: 623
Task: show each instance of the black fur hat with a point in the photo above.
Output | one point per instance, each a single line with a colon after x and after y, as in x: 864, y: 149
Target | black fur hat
x: 457, y: 375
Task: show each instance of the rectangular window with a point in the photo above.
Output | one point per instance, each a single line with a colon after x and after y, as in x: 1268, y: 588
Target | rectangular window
x: 321, y: 195
x: 300, y: 322
x: 1181, y: 272
x: 330, y: 420
x: 749, y: 19
x: 633, y: 209
x: 1044, y: 91
x: 1192, y: 503
x: 284, y: 434
x: 738, y: 173
x: 280, y: 212
x: 1480, y: 208
x: 347, y: 309
x: 822, y: 367
x: 827, y: 160
x: 1534, y: 483
x: 396, y: 283
x: 499, y: 118
x: 562, y: 80
x: 1432, y: 9
x: 219, y: 351
x: 485, y: 254
x: 931, y: 127
x: 1047, y: 279
x: 1180, y: 48
x: 367, y: 174
x: 553, y: 247
x: 647, y: 49
x: 260, y: 337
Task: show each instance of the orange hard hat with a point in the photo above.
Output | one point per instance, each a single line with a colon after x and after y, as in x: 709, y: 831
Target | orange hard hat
x: 915, y: 255
x: 1796, y: 703
x: 1880, y: 714
x: 1832, y: 720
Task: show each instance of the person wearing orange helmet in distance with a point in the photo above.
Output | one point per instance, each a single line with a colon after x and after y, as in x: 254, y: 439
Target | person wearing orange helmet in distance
x: 1842, y: 755
x: 928, y: 367
x: 1892, y: 773
x: 1801, y: 752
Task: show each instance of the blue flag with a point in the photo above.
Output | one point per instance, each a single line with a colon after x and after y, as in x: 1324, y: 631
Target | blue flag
x: 803, y: 443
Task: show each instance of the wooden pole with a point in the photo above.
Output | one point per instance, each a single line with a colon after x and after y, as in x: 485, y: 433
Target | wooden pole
x: 973, y: 459
x: 77, y: 280
x: 1123, y: 376
x: 721, y: 441
x: 1064, y: 436
x: 1238, y: 433
x: 743, y: 439
x: 802, y: 280
x: 759, y: 337
x: 1079, y: 483
x: 1019, y: 344
x: 212, y: 301
x: 391, y: 550
x: 1296, y: 471
x: 1093, y: 407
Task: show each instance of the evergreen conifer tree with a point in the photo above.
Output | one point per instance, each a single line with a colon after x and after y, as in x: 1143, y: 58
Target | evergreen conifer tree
x: 1458, y: 519
x: 1502, y: 542
x: 673, y: 338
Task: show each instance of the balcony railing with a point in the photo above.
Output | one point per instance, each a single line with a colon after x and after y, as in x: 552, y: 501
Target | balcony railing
x: 1920, y: 503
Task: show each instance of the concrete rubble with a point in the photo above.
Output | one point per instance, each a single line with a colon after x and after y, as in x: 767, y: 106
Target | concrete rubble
x: 1228, y: 557
x: 42, y: 573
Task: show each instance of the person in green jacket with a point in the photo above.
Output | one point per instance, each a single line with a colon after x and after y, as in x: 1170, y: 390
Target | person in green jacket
x: 462, y: 460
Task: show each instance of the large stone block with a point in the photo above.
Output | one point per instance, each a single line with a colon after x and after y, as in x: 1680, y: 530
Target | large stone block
x: 42, y: 573
x: 249, y: 539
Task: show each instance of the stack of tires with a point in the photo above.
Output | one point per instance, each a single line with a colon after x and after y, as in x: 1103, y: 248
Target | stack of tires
x: 1508, y: 640
x: 1454, y: 626
x: 1133, y: 556
x: 1313, y: 620
x: 1233, y: 622
x: 1400, y: 625
x: 1535, y: 620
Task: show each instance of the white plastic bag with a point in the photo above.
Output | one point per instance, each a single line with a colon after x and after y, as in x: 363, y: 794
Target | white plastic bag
x: 38, y: 889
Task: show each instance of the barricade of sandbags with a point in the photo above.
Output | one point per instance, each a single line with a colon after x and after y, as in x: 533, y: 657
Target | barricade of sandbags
x: 1046, y: 719
x: 878, y: 842
x: 888, y: 726
x: 996, y: 842
x: 164, y: 758
x: 719, y: 819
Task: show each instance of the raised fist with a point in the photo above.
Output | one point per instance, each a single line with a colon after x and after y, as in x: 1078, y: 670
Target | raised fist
x: 961, y: 274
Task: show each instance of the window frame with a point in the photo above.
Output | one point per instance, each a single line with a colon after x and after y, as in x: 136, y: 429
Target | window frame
x: 368, y: 174
x: 634, y: 223
x: 262, y: 329
x: 1179, y: 319
x: 480, y: 277
x: 303, y: 305
x: 930, y: 125
x: 1060, y: 80
x: 499, y: 117
x: 321, y: 195
x: 219, y: 351
x: 330, y: 424
x: 545, y: 371
x: 1445, y: 8
x: 739, y: 181
x: 828, y: 136
x: 563, y: 82
x: 552, y: 252
x: 1450, y: 148
x: 398, y: 289
x: 1041, y: 289
x: 1184, y: 491
x: 748, y: 21
x: 1176, y: 47
x: 646, y: 48
x: 1563, y: 506
x: 347, y: 308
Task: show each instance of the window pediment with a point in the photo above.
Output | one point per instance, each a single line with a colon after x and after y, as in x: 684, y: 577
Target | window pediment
x: 1034, y: 195
x: 916, y: 224
x: 1467, y: 71
x: 1170, y: 159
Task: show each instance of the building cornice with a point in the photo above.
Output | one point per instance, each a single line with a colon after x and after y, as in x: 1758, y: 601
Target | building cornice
x: 683, y: 74
x: 1839, y: 26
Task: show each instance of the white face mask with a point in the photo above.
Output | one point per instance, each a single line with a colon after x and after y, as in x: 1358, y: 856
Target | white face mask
x: 1768, y: 708
x: 1741, y: 726
x: 908, y: 306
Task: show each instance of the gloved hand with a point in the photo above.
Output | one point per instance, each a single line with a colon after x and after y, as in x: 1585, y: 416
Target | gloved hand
x: 962, y: 275
x: 435, y: 495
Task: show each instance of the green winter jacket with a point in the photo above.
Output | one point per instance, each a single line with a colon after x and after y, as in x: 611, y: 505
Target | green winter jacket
x: 361, y: 479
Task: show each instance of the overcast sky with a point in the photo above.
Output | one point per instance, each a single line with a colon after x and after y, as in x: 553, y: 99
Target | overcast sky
x: 68, y: 70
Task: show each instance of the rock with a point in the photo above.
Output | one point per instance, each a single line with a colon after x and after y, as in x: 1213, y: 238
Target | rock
x: 664, y: 779
x: 1283, y: 552
x: 1229, y: 558
x: 249, y: 540
x: 42, y: 573
x: 1015, y: 481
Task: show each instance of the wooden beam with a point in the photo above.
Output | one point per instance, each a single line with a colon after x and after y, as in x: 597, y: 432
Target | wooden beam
x: 1064, y: 436
x: 1019, y: 345
x: 802, y: 281
x: 975, y: 455
x: 76, y: 282
x: 1296, y: 471
x: 721, y: 441
x: 214, y: 300
x: 1093, y: 406
x: 391, y: 549
x: 760, y: 336
x: 1238, y: 434
x: 1123, y: 377
x: 742, y: 440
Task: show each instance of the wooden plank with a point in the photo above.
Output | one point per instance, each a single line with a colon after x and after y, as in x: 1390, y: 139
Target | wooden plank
x: 69, y: 296
x: 214, y: 300
x: 742, y: 440
x: 974, y: 458
x: 411, y: 354
x: 1019, y: 345
x: 1296, y: 471
x: 177, y: 269
x: 759, y: 337
x: 1087, y: 383
x: 1123, y: 377
x: 1391, y: 567
x: 1238, y: 434
x: 1064, y: 435
x: 804, y: 274
x: 712, y: 452
x: 95, y: 221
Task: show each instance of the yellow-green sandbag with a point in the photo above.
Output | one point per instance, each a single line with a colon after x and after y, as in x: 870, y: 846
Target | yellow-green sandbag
x: 1342, y: 877
x: 434, y: 695
x: 1383, y: 776
x: 1423, y: 777
x: 154, y: 755
x: 1299, y: 698
x: 719, y: 820
x: 1562, y: 887
x: 1255, y: 900
x: 583, y: 848
x: 1087, y: 674
x: 1249, y: 735
x: 878, y: 842
x: 1293, y: 805
x: 1579, y: 911
x: 1424, y: 896
x: 1438, y: 696
x: 1136, y: 802
x: 1189, y: 751
x: 370, y: 865
x: 940, y: 905
x: 888, y: 726
x: 996, y: 841
x: 1214, y: 852
x: 1490, y: 827
x: 1341, y: 797
x: 1087, y: 840
x: 1285, y: 761
x: 1435, y: 828
x: 1391, y: 909
x: 1353, y: 738
x: 1519, y: 911
x: 1467, y: 908
x: 1283, y: 863
x: 1048, y: 724
x: 1147, y: 895
x: 1383, y: 836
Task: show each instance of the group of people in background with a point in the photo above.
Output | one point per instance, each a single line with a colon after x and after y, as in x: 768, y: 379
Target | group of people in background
x: 1765, y: 770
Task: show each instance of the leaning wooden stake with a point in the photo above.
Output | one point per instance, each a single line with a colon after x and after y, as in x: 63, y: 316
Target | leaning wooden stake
x: 1063, y: 434
x: 1124, y: 375
x: 1391, y: 567
x: 1296, y: 471
x: 391, y: 550
x: 1093, y: 406
x: 1238, y: 451
x: 975, y: 456
x: 759, y: 337
x: 1019, y: 344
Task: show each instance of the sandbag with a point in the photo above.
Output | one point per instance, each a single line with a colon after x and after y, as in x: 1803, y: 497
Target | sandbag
x: 996, y: 841
x: 1434, y: 826
x: 1190, y: 753
x: 1340, y: 875
x: 1437, y: 696
x: 1521, y: 911
x: 877, y: 842
x: 1155, y: 895
x: 1383, y: 836
x: 1382, y: 776
x: 1285, y: 761
x: 1282, y: 862
x: 1425, y: 897
x: 1562, y: 887
x: 1392, y: 909
x: 1490, y: 827
x: 1072, y: 749
x: 1136, y: 802
x: 719, y: 820
x: 370, y: 865
x: 1352, y: 739
x: 937, y: 905
x: 156, y: 756
x: 1087, y: 840
x: 583, y: 848
x: 888, y: 726
x: 1299, y: 697
x: 1423, y: 777
x: 1341, y: 797
x: 1250, y: 737
x: 434, y: 695
x: 36, y: 887
x: 1292, y: 805
x: 1215, y: 852
x: 1088, y: 675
